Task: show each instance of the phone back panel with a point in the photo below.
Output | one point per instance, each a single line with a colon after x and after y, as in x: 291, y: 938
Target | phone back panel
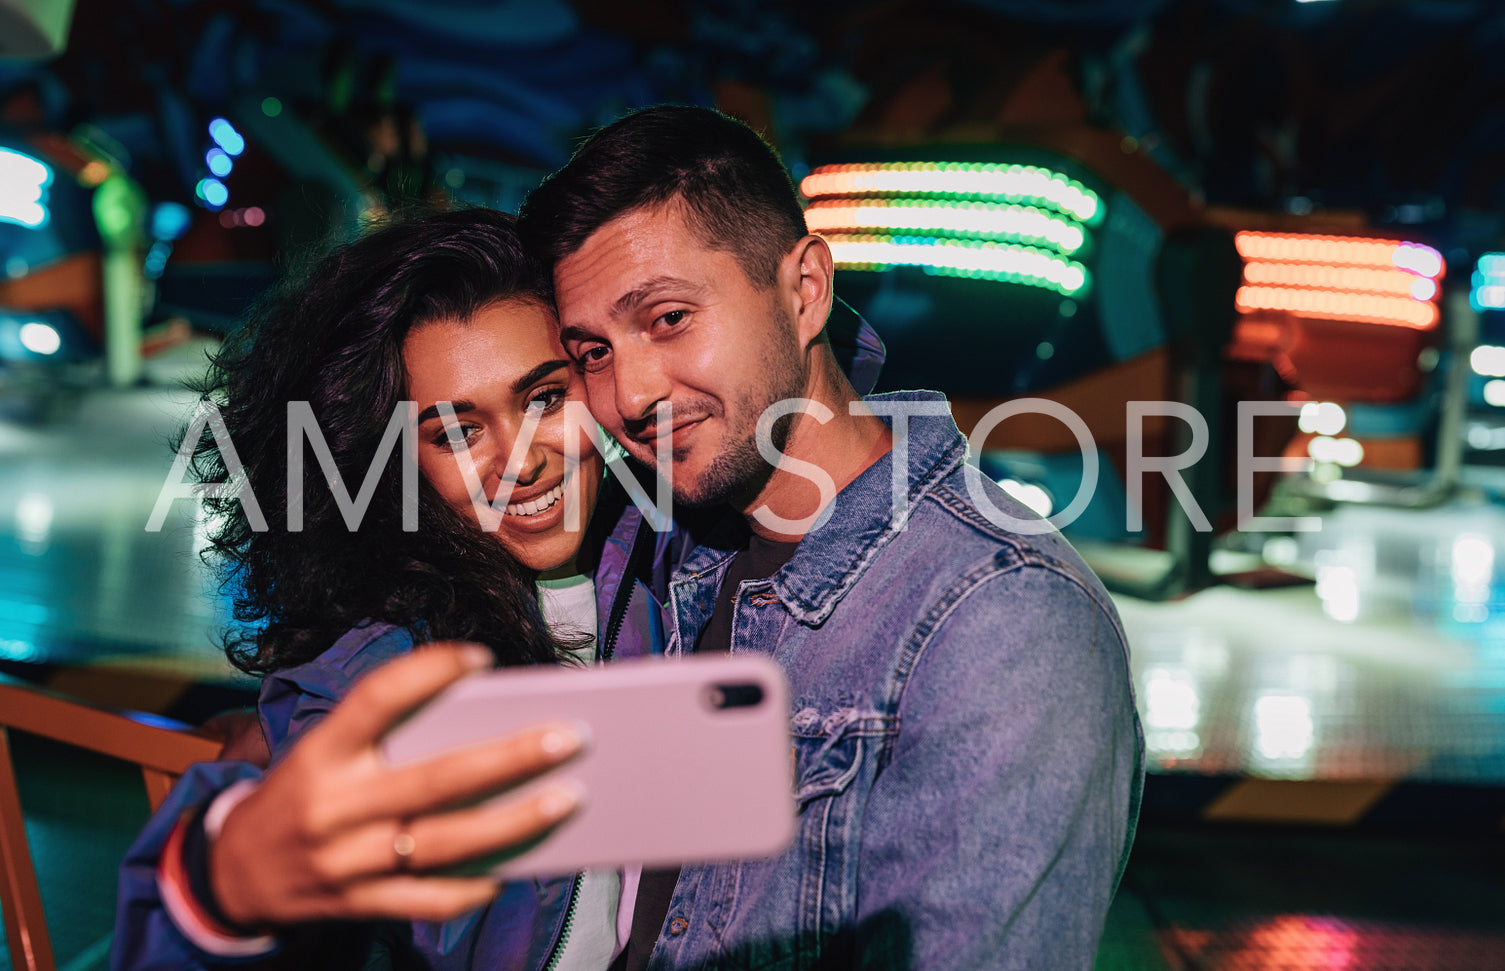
x: 670, y: 775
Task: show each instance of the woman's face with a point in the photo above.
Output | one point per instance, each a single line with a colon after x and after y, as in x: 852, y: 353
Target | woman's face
x: 494, y: 368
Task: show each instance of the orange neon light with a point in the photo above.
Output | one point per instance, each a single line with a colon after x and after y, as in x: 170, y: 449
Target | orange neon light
x: 1323, y: 276
x: 1339, y: 250
x: 1372, y: 308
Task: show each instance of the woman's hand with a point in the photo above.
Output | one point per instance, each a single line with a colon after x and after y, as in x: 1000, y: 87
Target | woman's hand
x: 335, y: 832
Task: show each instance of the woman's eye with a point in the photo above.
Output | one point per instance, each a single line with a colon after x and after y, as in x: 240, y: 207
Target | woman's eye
x: 548, y: 399
x: 455, y: 435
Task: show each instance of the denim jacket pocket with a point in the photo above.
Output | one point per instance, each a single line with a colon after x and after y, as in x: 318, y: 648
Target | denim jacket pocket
x: 827, y: 751
x: 784, y: 911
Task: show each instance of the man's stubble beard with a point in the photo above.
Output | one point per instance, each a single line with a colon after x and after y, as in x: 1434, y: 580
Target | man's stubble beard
x: 739, y: 472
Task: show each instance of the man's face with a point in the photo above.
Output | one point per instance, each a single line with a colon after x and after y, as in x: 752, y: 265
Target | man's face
x: 652, y: 314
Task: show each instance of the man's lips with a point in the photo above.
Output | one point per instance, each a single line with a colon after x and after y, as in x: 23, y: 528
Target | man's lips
x: 676, y: 434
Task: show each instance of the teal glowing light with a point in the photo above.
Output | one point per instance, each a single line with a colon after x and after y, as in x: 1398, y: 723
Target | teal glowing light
x: 979, y: 220
x: 213, y: 192
x: 40, y: 338
x: 1488, y: 292
x: 219, y: 163
x: 170, y: 220
x: 1010, y: 263
x: 23, y: 189
x: 226, y: 137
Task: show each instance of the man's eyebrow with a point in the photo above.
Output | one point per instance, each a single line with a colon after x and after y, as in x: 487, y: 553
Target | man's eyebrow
x: 573, y: 332
x: 640, y: 293
x: 630, y: 300
x: 432, y: 411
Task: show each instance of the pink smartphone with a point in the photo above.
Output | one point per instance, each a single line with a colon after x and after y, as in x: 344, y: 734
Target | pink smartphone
x: 689, y: 759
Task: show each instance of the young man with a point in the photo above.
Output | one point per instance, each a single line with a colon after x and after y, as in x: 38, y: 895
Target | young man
x: 967, y: 757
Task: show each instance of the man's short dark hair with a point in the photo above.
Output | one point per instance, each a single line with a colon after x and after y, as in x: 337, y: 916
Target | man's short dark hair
x: 737, y: 194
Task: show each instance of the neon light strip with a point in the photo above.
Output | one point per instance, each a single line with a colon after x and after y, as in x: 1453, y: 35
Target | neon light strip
x: 1371, y: 308
x: 1014, y: 183
x: 1323, y: 276
x: 1488, y: 291
x: 1492, y: 264
x: 1340, y: 250
x: 988, y: 261
x: 1490, y: 297
x: 989, y: 220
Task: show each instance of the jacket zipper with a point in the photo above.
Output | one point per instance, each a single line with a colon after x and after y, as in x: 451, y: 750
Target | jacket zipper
x: 643, y: 542
x: 642, y: 547
x: 565, y: 928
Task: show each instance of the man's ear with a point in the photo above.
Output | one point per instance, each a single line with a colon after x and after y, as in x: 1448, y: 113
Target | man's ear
x: 811, y: 259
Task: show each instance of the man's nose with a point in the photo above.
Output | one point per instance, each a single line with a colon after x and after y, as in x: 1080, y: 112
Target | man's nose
x: 640, y: 384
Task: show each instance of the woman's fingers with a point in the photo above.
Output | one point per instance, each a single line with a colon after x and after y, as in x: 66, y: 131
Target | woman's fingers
x: 407, y: 897
x: 319, y: 834
x: 380, y: 699
x: 371, y: 789
x: 444, y: 839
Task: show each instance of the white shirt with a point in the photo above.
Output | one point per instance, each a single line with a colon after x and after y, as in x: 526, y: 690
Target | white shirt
x: 604, y: 899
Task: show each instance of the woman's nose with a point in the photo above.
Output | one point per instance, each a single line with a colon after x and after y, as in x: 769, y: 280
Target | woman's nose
x: 530, y: 464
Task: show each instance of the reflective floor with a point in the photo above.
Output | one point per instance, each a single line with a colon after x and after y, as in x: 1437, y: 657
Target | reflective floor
x: 1374, y: 692
x: 83, y: 581
x: 1391, y: 665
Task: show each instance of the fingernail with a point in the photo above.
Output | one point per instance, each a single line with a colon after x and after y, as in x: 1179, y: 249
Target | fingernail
x: 564, y: 739
x: 561, y: 799
x: 476, y: 656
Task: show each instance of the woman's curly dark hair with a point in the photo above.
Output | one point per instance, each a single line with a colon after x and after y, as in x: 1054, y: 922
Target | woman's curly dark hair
x: 332, y: 336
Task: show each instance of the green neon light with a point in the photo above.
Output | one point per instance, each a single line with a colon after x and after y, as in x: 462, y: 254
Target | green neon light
x: 976, y: 259
x: 984, y: 220
x: 1027, y: 184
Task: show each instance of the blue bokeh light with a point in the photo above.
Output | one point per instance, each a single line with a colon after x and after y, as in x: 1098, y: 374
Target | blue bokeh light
x: 170, y: 220
x: 213, y: 192
x: 226, y: 137
x: 219, y: 163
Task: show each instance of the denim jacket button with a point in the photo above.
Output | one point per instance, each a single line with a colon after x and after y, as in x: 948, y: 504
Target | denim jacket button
x: 678, y: 926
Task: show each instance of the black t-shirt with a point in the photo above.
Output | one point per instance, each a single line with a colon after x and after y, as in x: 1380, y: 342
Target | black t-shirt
x: 762, y: 558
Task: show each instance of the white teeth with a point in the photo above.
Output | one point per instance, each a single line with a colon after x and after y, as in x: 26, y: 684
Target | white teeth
x: 536, y: 506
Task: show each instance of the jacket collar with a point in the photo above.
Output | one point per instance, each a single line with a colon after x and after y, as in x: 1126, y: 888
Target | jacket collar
x: 862, y: 521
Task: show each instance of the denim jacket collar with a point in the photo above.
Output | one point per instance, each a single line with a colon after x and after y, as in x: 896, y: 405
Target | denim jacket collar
x: 833, y: 556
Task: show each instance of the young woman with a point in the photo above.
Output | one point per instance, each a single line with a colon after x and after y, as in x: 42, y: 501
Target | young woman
x: 440, y: 318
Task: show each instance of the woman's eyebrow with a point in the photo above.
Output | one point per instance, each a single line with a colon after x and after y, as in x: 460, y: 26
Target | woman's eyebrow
x: 432, y: 411
x: 518, y: 387
x: 537, y: 374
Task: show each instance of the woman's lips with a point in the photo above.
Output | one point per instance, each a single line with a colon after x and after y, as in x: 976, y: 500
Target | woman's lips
x: 540, y: 504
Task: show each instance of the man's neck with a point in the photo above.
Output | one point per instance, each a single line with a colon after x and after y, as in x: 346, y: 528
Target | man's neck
x: 843, y: 448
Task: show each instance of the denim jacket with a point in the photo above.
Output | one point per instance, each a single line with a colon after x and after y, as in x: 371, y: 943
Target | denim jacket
x: 967, y: 758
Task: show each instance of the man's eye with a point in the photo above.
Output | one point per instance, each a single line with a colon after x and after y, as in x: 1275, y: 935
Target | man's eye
x: 593, y: 357
x: 674, y: 317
